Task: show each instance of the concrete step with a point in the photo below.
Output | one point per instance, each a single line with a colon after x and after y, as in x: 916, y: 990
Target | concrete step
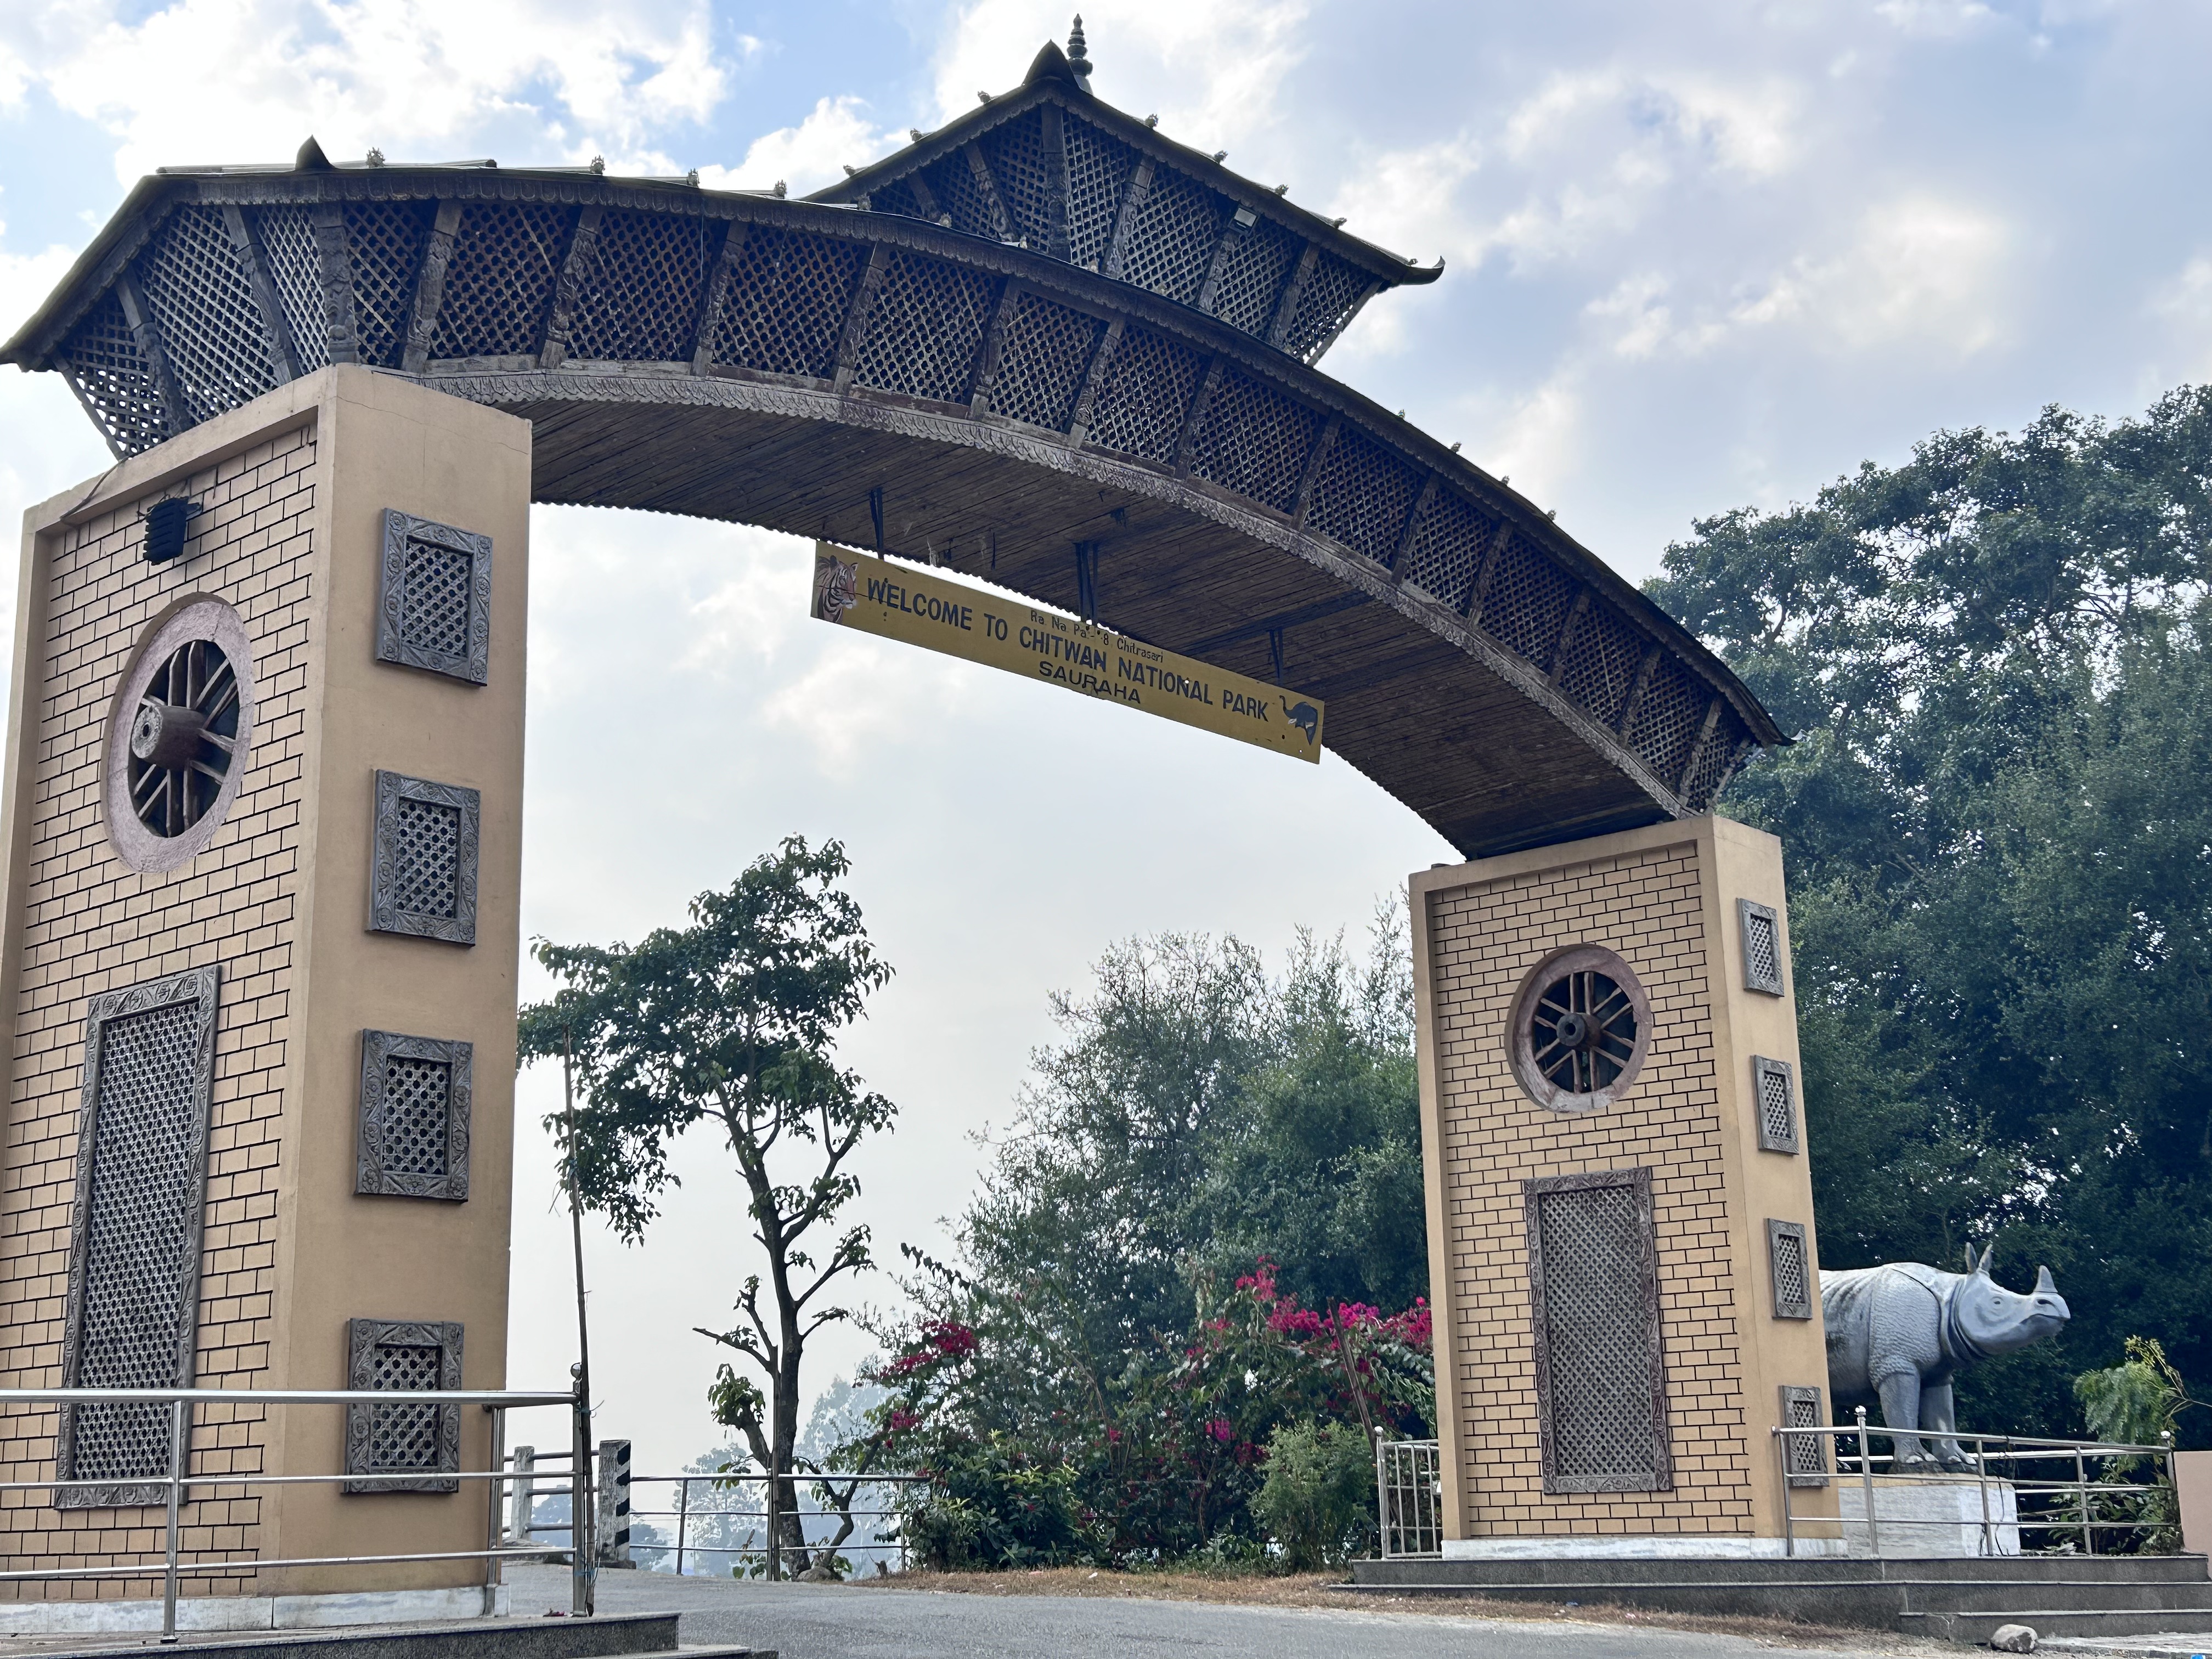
x: 609, y: 1635
x: 1978, y: 1625
x: 1584, y: 1571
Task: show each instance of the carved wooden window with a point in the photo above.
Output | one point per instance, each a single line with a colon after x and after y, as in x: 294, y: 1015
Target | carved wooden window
x: 1762, y: 947
x: 416, y: 1446
x: 414, y: 1095
x: 433, y: 597
x: 1790, y: 1266
x: 1580, y: 1029
x: 1774, y: 1084
x: 132, y: 1309
x: 423, y: 880
x: 1601, y: 1373
x: 1806, y: 1458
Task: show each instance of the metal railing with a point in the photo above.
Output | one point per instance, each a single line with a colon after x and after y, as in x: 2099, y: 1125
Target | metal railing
x: 183, y: 1403
x: 685, y: 1515
x: 2019, y: 1497
x: 1409, y: 1498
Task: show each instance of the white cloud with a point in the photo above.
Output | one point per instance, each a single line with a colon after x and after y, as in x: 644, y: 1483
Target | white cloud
x: 409, y: 75
x: 1936, y: 20
x: 1922, y: 271
x: 837, y: 133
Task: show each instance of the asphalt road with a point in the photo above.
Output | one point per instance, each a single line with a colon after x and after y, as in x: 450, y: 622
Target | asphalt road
x: 833, y: 1621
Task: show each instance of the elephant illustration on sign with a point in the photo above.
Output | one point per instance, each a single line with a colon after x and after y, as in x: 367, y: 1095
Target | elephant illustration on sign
x: 1899, y: 1333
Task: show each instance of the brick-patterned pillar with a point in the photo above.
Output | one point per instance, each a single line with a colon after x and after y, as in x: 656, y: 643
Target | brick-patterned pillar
x: 1620, y: 1217
x: 197, y: 969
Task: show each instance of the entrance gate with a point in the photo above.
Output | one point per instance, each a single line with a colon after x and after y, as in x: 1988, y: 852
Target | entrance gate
x: 1045, y: 348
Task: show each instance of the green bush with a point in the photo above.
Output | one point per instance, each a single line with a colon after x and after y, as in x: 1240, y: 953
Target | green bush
x: 1317, y: 1501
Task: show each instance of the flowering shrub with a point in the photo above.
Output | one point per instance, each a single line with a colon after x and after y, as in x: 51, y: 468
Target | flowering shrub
x: 1038, y: 1454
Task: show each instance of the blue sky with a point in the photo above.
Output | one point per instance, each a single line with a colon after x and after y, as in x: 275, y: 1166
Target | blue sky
x: 1698, y: 257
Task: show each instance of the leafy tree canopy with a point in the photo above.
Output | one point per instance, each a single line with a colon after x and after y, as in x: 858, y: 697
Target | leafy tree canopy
x: 2000, y: 846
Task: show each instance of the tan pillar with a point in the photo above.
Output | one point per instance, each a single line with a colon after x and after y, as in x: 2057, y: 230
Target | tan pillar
x: 359, y: 662
x: 1571, y: 1234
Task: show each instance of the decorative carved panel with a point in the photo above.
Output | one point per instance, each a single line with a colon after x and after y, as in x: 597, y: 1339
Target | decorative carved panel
x: 133, y: 1297
x: 1580, y: 1029
x: 1789, y: 1265
x: 423, y: 880
x: 415, y: 1097
x: 1601, y: 1373
x: 1762, y: 947
x: 416, y: 1446
x: 433, y: 597
x: 1807, y: 1459
x: 1775, y: 1084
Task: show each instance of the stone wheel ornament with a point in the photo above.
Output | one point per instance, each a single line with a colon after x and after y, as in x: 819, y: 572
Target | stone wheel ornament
x: 177, y: 736
x: 1580, y: 1029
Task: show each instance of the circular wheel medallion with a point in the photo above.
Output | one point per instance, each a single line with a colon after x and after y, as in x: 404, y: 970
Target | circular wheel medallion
x: 1580, y: 1029
x: 177, y: 736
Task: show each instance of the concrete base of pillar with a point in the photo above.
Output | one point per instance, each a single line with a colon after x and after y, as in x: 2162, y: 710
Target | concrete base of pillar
x: 1920, y: 1517
x: 250, y: 1612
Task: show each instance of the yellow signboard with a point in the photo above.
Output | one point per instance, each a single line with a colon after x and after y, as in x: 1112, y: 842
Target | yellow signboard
x: 855, y: 591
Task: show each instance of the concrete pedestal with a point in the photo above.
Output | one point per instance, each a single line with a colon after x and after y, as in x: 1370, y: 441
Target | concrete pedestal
x: 1930, y: 1516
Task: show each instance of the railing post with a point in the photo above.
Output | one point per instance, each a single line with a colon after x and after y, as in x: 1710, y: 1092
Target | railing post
x: 2081, y: 1489
x: 1866, y: 1485
x: 180, y: 1417
x: 1789, y: 1521
x: 1981, y: 1480
x: 683, y: 1515
x: 1382, y: 1493
x: 495, y: 1508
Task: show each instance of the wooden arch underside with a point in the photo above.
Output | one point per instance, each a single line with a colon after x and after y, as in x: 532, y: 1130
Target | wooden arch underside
x: 1472, y: 737
x: 1073, y: 438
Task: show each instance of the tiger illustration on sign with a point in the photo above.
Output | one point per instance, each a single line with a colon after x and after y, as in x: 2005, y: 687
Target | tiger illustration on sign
x: 836, y: 587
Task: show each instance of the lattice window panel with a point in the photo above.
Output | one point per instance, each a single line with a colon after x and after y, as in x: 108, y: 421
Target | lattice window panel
x: 1363, y: 495
x: 639, y: 302
x: 1098, y: 169
x: 1252, y: 276
x: 1527, y: 601
x: 433, y: 597
x: 384, y: 245
x: 499, y: 286
x: 1601, y: 661
x: 899, y: 197
x: 414, y: 1128
x: 204, y: 305
x: 295, y: 268
x: 785, y: 305
x: 1255, y: 441
x: 115, y: 383
x: 1774, y: 1097
x: 1144, y: 395
x: 1447, y: 547
x: 1807, y: 1457
x: 953, y: 182
x: 415, y: 1445
x: 1668, y: 718
x: 1040, y: 366
x: 1014, y: 151
x: 925, y: 329
x: 1171, y: 242
x: 1716, y: 761
x: 135, y: 1256
x: 1600, y: 1376
x: 1332, y: 288
x: 423, y: 880
x: 1790, y: 1266
x: 1762, y: 946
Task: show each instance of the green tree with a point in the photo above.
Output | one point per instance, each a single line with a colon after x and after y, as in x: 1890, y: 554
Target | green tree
x: 732, y: 1021
x: 1993, y: 660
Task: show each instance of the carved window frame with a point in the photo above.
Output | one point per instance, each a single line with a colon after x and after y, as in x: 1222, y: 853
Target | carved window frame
x: 1751, y: 915
x: 363, y: 1337
x: 1661, y: 1476
x: 1805, y: 1461
x: 371, y: 1175
x: 384, y: 916
x: 1777, y: 1232
x: 473, y: 665
x: 1761, y: 1069
x: 194, y: 985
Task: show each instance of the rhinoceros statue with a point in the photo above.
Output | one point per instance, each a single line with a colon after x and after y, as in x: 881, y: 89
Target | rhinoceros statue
x: 1898, y: 1333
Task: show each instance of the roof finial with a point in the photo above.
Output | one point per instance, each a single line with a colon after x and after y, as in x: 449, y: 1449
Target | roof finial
x: 1076, y: 59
